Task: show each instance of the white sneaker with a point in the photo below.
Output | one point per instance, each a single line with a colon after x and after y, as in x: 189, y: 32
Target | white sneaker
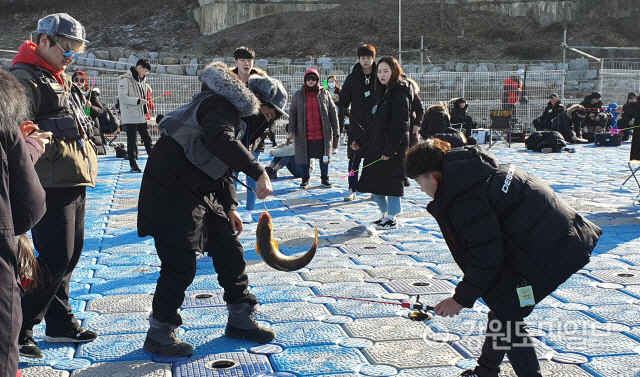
x: 387, y: 224
x: 246, y: 217
x: 351, y: 196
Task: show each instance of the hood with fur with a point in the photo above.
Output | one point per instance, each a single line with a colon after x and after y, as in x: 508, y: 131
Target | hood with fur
x: 219, y: 79
x: 573, y: 108
x: 438, y: 108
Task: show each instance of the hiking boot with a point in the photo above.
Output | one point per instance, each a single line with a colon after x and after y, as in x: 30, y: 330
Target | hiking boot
x: 242, y: 324
x: 28, y: 347
x: 325, y: 182
x: 162, y: 339
x: 271, y: 173
x: 351, y: 196
x: 305, y: 183
x: 387, y: 224
x: 78, y: 335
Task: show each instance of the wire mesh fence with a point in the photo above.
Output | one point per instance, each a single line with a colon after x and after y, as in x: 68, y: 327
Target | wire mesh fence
x: 482, y: 90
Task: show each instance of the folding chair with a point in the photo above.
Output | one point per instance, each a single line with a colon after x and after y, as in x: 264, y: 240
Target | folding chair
x: 112, y: 138
x: 633, y: 171
x: 501, y: 126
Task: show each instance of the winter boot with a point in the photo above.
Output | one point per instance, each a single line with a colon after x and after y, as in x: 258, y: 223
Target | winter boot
x: 242, y: 324
x: 162, y: 339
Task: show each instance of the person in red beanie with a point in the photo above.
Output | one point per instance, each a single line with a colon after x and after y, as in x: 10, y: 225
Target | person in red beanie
x: 313, y: 122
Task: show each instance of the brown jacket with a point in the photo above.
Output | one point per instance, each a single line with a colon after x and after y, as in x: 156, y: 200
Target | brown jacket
x: 298, y: 122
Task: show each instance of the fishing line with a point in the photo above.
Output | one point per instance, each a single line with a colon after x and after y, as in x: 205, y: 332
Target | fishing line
x: 250, y: 188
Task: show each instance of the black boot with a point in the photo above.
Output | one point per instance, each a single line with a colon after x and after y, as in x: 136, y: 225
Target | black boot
x: 162, y: 339
x: 305, y: 182
x: 243, y: 325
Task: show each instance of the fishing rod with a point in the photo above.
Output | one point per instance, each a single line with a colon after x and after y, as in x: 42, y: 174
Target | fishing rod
x: 353, y: 172
x: 250, y: 188
x: 153, y: 99
x: 418, y: 312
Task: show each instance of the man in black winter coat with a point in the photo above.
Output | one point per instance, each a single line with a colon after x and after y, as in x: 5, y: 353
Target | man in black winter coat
x: 553, y: 109
x: 22, y: 205
x: 628, y: 116
x: 514, y: 239
x: 188, y: 204
x: 359, y: 92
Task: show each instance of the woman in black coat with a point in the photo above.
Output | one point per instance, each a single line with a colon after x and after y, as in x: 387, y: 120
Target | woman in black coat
x: 460, y: 116
x: 388, y: 140
x: 436, y: 121
x: 509, y: 233
x: 22, y: 205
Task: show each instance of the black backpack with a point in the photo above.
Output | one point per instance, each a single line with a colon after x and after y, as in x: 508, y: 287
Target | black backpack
x: 108, y: 122
x: 121, y: 151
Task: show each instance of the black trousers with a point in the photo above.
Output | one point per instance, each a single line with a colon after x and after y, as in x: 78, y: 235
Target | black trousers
x: 179, y: 269
x: 58, y: 238
x: 132, y: 145
x: 510, y: 337
x: 10, y: 314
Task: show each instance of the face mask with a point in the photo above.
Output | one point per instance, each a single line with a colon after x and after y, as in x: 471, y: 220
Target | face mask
x: 332, y: 85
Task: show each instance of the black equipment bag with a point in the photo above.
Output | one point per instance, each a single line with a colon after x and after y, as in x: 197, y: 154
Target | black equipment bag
x: 606, y: 139
x: 121, y: 151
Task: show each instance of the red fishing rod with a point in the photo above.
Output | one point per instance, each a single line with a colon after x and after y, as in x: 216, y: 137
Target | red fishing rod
x: 418, y: 310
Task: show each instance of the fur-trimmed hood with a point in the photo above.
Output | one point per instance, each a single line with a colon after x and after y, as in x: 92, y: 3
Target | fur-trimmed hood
x: 438, y: 108
x: 219, y: 79
x: 573, y: 108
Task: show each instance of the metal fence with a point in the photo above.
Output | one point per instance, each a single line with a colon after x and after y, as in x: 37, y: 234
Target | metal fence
x: 617, y: 83
x: 482, y: 90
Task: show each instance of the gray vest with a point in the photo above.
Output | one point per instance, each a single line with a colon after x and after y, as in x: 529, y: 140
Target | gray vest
x: 182, y: 125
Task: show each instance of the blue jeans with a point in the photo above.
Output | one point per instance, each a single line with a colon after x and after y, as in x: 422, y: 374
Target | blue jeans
x: 354, y: 164
x: 388, y: 204
x: 251, y: 196
x: 324, y: 169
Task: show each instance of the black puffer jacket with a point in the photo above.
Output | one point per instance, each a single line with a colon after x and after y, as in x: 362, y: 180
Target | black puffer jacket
x: 459, y: 114
x: 586, y: 102
x: 551, y: 111
x: 436, y: 121
x: 176, y: 196
x: 389, y: 136
x: 362, y: 97
x: 537, y: 141
x: 503, y: 225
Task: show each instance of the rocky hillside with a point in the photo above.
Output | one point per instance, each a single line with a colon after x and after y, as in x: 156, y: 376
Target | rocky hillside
x: 168, y: 26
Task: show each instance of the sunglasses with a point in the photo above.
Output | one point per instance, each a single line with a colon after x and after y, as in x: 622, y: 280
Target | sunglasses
x: 69, y: 54
x: 78, y: 79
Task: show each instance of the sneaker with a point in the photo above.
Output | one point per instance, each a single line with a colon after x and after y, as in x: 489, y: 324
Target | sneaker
x: 325, y: 182
x: 247, y: 217
x: 380, y: 220
x: 305, y: 183
x: 351, y: 196
x: 29, y: 348
x: 136, y: 169
x: 271, y: 173
x: 469, y: 373
x: 406, y: 182
x: 335, y: 151
x: 78, y: 335
x: 570, y: 150
x: 387, y: 224
x: 577, y: 139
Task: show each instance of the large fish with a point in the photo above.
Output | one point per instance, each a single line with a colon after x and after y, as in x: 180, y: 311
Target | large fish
x: 267, y: 247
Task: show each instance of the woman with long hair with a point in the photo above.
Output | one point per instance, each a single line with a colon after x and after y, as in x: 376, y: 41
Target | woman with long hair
x: 388, y: 140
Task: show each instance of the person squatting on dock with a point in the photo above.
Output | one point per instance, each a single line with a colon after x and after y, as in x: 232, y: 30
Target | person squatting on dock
x: 514, y: 239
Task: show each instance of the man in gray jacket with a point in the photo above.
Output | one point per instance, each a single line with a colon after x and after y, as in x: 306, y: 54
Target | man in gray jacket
x: 132, y: 94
